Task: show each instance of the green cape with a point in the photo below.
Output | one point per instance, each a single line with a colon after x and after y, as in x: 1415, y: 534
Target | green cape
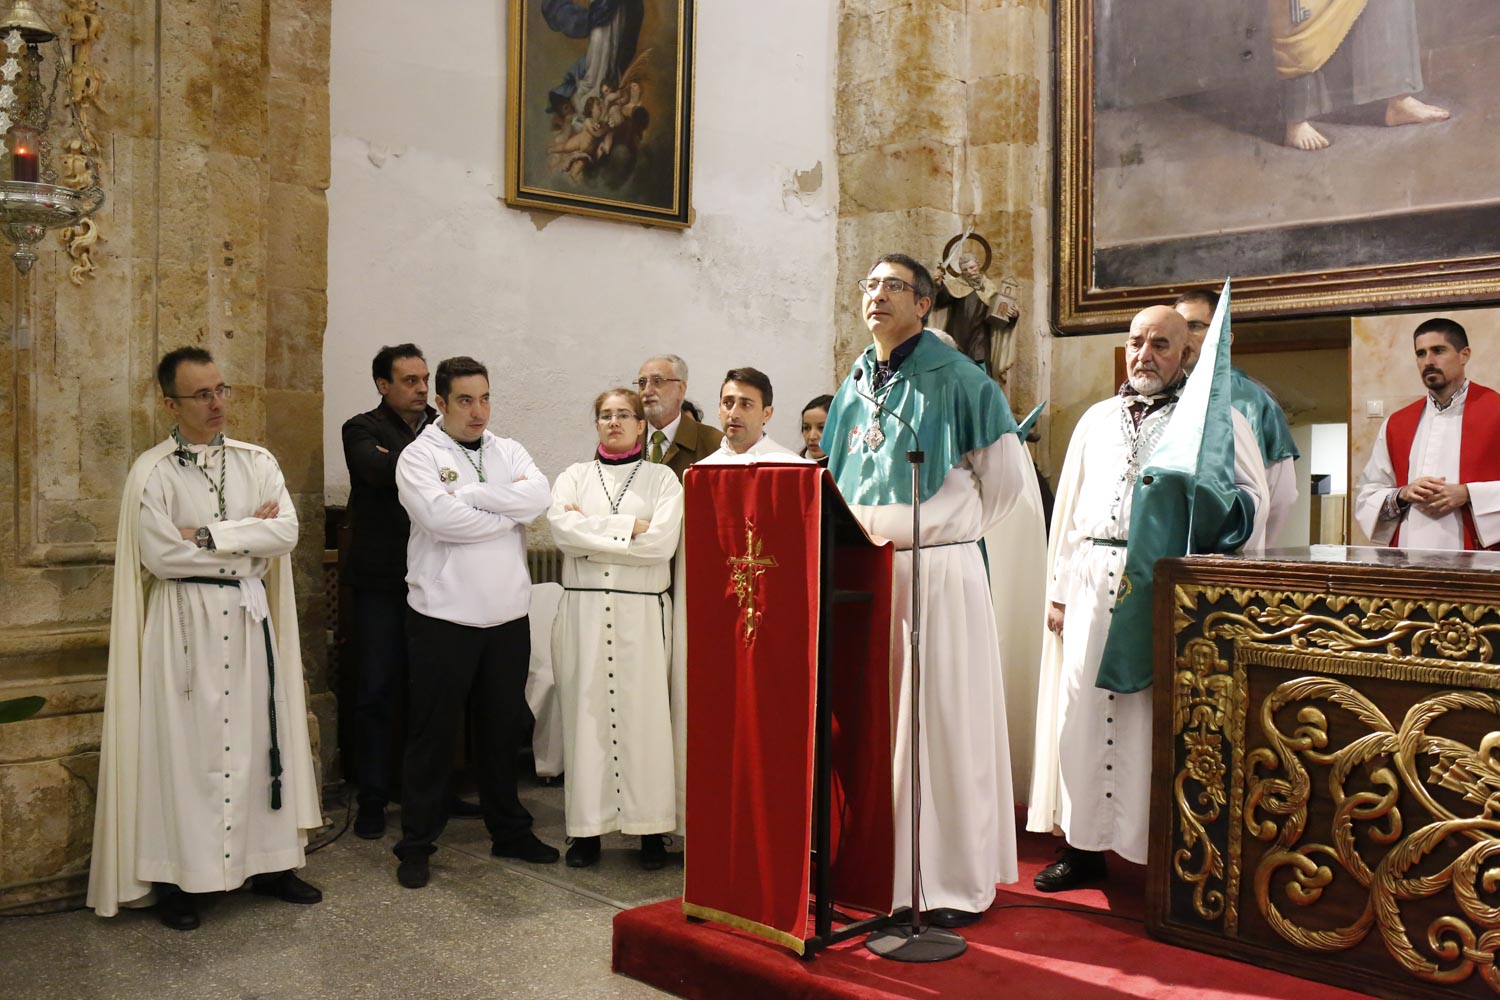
x: 1184, y: 501
x: 1265, y: 417
x: 955, y: 407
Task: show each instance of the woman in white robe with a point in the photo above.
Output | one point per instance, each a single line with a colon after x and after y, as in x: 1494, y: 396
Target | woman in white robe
x: 616, y: 519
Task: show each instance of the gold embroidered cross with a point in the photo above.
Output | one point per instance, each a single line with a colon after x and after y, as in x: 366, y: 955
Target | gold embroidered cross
x: 746, y: 570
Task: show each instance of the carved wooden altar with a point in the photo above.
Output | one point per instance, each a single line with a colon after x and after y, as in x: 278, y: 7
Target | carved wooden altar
x: 1326, y: 781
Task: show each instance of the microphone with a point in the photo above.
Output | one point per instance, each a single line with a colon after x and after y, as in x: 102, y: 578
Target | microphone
x: 859, y: 374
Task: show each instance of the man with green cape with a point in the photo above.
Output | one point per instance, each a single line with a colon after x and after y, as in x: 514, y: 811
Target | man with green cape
x: 976, y: 474
x: 1261, y: 409
x: 1157, y: 470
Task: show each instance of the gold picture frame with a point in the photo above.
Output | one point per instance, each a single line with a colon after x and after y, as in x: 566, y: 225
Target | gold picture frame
x: 599, y: 109
x: 1228, y: 144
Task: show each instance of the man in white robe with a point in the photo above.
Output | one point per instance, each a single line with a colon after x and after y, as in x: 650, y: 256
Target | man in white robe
x: 205, y: 775
x: 745, y: 403
x: 1093, y: 746
x: 1433, y: 478
x: 976, y: 471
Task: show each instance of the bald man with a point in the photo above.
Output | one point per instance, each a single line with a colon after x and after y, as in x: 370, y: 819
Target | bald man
x: 1093, y: 746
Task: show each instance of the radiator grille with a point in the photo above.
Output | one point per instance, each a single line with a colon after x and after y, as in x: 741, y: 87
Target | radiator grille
x: 545, y: 565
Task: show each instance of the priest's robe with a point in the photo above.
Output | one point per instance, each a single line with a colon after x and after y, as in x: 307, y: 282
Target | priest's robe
x: 978, y: 469
x: 1092, y: 768
x: 612, y: 646
x: 184, y: 771
x: 1460, y: 444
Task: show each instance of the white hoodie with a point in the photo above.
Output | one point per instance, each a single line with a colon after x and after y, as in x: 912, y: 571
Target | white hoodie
x: 466, y: 558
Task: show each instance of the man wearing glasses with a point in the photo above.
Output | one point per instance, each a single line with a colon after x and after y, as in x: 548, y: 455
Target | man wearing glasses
x: 975, y: 470
x: 205, y: 768
x: 673, y: 438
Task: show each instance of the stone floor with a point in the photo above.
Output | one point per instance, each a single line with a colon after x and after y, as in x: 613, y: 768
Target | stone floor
x: 483, y: 928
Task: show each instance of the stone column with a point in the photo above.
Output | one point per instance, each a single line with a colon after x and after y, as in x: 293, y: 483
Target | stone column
x: 942, y: 119
x: 214, y: 127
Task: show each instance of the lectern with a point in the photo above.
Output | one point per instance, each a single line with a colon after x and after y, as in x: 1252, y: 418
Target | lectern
x: 789, y: 732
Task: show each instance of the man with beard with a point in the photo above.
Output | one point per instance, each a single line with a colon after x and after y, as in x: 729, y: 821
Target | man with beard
x: 673, y: 437
x: 1093, y: 746
x: 1433, y: 479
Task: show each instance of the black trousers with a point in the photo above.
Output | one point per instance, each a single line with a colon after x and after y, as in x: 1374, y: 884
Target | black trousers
x: 380, y: 641
x: 456, y: 668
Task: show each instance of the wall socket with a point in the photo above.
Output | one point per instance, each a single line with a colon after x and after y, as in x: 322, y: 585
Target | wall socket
x: 1375, y: 408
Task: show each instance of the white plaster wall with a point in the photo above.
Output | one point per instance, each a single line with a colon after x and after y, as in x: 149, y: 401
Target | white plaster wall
x: 422, y: 247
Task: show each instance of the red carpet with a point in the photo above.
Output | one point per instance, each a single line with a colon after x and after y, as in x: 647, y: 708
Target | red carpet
x: 1085, y: 945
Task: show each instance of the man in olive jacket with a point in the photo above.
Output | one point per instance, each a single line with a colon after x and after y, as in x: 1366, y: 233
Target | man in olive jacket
x: 672, y: 437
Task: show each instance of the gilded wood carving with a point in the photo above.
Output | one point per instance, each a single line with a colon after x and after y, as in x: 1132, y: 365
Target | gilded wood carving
x: 1335, y: 766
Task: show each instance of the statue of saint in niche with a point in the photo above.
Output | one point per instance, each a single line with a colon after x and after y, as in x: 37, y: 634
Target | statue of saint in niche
x: 977, y: 313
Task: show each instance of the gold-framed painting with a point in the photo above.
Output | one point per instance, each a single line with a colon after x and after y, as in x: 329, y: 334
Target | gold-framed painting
x: 599, y: 109
x: 1330, y: 156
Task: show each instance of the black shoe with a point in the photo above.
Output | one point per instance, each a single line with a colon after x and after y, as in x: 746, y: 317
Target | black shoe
x: 584, y: 852
x: 369, y: 824
x: 525, y: 847
x: 287, y: 887
x: 413, y: 872
x: 653, y: 852
x: 463, y: 808
x: 946, y: 916
x: 1073, y: 869
x: 177, y: 910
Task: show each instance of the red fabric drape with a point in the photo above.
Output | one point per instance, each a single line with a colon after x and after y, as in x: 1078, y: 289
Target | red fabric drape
x: 753, y: 559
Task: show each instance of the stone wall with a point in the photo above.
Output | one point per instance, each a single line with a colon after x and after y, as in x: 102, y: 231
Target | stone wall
x: 214, y: 127
x: 942, y: 121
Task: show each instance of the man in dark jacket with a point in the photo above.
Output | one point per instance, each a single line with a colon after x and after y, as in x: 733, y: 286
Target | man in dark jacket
x: 376, y: 569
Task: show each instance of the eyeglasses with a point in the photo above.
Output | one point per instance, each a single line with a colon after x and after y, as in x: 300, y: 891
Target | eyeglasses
x: 206, y: 396
x: 655, y: 382
x: 620, y: 415
x: 893, y: 285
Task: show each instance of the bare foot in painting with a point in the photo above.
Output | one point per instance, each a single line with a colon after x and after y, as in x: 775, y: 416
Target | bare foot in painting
x: 1410, y: 111
x: 1301, y: 135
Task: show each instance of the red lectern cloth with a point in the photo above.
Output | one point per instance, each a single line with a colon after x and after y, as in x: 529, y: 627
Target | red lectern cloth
x: 753, y: 562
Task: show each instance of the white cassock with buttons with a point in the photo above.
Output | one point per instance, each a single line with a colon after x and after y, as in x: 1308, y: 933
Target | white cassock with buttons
x: 612, y: 645
x: 185, y: 782
x: 1092, y: 772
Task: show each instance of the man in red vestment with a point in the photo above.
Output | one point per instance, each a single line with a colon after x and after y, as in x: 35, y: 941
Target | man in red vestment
x: 1433, y: 479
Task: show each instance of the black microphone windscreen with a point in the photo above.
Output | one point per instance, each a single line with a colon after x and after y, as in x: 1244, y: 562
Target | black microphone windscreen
x: 859, y: 374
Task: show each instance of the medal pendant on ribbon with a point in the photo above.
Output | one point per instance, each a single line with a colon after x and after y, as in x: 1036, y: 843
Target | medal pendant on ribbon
x: 874, y: 437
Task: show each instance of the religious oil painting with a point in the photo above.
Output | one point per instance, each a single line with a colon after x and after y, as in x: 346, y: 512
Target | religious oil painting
x: 600, y: 109
x: 1333, y: 156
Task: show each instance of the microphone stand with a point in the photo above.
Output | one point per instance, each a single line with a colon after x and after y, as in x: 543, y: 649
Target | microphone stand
x: 914, y: 943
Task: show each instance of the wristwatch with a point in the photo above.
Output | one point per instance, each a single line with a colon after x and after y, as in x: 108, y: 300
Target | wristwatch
x: 203, y: 539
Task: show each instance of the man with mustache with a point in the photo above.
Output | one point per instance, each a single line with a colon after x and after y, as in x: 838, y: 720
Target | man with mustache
x: 1093, y: 747
x: 1433, y: 478
x: 673, y: 436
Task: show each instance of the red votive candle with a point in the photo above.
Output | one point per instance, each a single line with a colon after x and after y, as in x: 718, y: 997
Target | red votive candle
x: 23, y: 165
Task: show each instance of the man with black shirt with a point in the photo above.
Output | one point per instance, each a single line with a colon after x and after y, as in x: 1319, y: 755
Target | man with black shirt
x: 376, y: 569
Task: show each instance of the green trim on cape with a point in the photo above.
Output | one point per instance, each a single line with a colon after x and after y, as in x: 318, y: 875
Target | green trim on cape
x: 1265, y: 417
x: 955, y: 407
